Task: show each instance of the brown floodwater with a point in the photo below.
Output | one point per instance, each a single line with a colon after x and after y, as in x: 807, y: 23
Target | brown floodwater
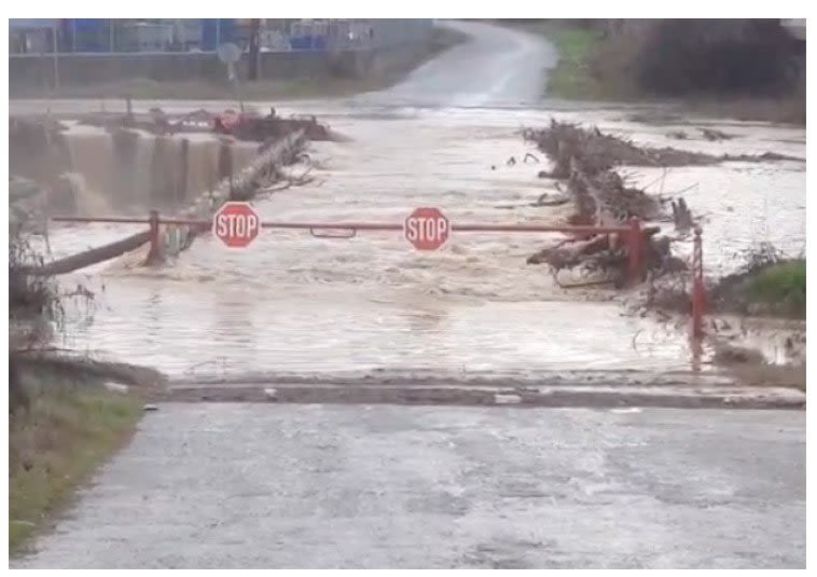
x: 295, y: 304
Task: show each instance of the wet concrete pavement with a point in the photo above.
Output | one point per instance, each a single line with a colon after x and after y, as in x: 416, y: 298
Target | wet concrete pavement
x: 313, y: 486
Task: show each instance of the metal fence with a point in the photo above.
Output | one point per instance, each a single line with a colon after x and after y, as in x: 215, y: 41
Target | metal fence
x: 108, y: 36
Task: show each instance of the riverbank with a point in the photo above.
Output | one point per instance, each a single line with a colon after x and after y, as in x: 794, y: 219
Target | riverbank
x: 593, y: 67
x: 63, y: 424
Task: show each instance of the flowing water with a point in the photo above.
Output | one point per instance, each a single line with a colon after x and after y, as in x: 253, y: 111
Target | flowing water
x: 295, y: 304
x: 133, y: 170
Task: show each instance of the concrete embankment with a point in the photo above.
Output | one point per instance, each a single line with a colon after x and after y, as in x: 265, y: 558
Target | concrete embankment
x: 244, y: 185
x: 242, y: 178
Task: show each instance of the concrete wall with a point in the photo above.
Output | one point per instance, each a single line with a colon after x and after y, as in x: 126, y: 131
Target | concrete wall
x: 395, y: 46
x: 36, y: 72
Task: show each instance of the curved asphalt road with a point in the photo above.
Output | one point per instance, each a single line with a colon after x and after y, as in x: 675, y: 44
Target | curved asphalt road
x: 497, y: 66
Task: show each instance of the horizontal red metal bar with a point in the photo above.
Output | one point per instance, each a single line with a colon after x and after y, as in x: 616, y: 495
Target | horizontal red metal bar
x: 100, y: 219
x: 374, y: 226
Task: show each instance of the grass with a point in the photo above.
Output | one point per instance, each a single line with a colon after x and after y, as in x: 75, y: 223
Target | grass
x: 781, y: 286
x: 573, y: 77
x: 767, y: 286
x: 55, y: 443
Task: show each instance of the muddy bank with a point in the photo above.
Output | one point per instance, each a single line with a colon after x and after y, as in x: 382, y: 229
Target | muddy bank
x: 44, y: 362
x: 498, y: 394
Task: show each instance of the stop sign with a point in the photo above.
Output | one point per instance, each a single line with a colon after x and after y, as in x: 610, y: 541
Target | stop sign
x: 236, y: 224
x: 426, y: 228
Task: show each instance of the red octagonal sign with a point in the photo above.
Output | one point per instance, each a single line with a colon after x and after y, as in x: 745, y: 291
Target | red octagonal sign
x: 236, y: 224
x: 426, y: 228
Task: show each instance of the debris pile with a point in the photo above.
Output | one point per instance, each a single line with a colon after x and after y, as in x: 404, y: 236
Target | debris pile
x: 249, y: 125
x: 565, y: 143
x: 585, y: 160
x: 252, y: 126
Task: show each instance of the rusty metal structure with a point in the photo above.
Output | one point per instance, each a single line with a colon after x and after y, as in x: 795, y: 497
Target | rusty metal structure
x: 631, y: 235
x: 698, y: 289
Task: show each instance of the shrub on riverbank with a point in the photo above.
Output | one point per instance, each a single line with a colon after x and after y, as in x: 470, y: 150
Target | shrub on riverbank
x: 62, y: 421
x: 750, y: 69
x: 768, y: 285
x: 781, y: 286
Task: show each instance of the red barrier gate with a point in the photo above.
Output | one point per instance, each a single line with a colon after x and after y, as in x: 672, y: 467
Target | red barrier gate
x: 632, y: 236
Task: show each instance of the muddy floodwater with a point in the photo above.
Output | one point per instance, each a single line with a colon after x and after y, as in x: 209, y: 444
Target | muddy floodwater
x: 293, y: 303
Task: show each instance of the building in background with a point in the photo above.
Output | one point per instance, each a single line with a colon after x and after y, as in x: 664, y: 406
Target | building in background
x: 32, y: 36
x: 146, y: 37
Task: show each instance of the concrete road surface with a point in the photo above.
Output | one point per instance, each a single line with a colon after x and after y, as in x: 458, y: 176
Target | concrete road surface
x: 496, y: 66
x: 317, y: 486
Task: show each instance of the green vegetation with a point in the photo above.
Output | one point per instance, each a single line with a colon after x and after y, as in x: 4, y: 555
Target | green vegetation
x: 58, y: 436
x: 62, y: 421
x: 743, y: 69
x: 767, y: 285
x: 781, y: 286
x: 577, y: 73
x: 573, y: 77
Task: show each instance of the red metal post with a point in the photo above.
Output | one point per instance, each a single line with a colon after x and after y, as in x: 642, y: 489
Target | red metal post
x: 155, y: 250
x: 698, y: 291
x: 634, y: 252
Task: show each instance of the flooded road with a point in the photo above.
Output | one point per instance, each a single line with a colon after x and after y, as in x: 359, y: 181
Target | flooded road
x: 294, y: 304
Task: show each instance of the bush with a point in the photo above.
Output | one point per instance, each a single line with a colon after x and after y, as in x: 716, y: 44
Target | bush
x: 781, y: 285
x: 683, y: 57
x: 35, y: 302
x: 767, y: 284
